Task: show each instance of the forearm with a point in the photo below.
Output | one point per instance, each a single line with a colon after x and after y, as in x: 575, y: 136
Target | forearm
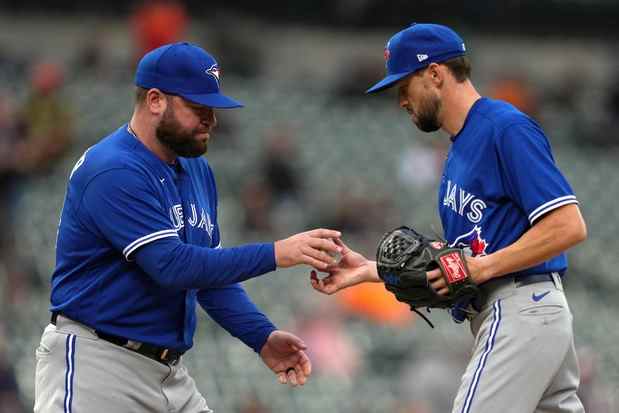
x: 174, y: 264
x: 232, y: 309
x: 558, y: 231
x: 371, y: 273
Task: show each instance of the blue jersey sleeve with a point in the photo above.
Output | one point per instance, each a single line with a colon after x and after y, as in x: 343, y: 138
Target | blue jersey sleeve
x: 529, y: 172
x: 125, y: 210
x: 217, y: 243
x: 216, y: 239
x: 174, y: 264
x: 232, y: 309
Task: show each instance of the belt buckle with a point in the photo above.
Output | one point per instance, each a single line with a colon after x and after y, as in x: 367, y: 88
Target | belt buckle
x: 133, y: 345
x: 173, y: 360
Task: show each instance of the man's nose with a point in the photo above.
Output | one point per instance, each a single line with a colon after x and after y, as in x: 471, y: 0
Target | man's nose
x: 403, y: 100
x: 210, y: 119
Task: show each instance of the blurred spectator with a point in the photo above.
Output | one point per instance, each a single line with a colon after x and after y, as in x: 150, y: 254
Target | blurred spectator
x: 350, y: 214
x: 9, y: 392
x: 610, y: 118
x: 279, y: 165
x: 8, y: 141
x: 356, y: 73
x: 252, y: 405
x: 421, y: 165
x: 41, y: 135
x: 227, y: 133
x: 15, y: 286
x: 566, y: 92
x: 239, y: 53
x: 362, y: 217
x: 374, y: 302
x: 90, y: 59
x: 45, y: 122
x: 257, y: 203
x: 517, y: 91
x: 429, y: 385
x: 157, y: 22
x: 332, y: 351
x: 284, y: 180
x: 613, y: 98
x: 270, y: 200
x: 594, y: 395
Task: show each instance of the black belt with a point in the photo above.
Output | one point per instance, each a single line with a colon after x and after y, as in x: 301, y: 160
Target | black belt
x: 519, y: 280
x: 160, y: 354
x: 526, y: 279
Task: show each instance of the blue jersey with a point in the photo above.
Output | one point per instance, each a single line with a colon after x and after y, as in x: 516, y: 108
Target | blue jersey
x: 126, y: 212
x: 499, y: 178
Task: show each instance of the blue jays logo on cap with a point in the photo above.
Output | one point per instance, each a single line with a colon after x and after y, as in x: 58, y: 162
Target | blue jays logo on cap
x: 214, y: 71
x: 416, y: 47
x: 387, y: 54
x: 185, y: 70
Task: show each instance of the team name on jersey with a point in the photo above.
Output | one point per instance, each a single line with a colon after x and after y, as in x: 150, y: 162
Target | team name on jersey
x: 463, y: 203
x: 177, y: 217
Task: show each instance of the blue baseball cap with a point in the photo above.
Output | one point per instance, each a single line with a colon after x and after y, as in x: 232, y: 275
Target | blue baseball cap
x: 415, y: 48
x: 185, y: 70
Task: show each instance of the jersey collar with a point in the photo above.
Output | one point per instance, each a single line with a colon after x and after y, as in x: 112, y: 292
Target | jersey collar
x: 469, y: 115
x: 148, y: 155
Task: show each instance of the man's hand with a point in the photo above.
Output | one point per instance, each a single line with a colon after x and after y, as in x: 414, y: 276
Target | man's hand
x: 312, y: 248
x: 352, y: 269
x: 552, y: 234
x: 283, y: 353
x: 475, y: 267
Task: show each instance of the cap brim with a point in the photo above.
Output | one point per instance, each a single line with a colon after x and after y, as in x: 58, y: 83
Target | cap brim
x: 387, y: 82
x: 213, y: 100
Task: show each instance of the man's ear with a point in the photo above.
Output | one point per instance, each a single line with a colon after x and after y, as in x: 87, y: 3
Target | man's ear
x: 156, y: 101
x: 436, y: 74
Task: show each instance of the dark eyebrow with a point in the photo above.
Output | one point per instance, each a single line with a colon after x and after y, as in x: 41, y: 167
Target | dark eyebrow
x: 194, y: 106
x: 191, y: 104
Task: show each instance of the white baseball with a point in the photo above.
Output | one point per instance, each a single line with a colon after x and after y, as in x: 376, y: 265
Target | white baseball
x: 336, y: 255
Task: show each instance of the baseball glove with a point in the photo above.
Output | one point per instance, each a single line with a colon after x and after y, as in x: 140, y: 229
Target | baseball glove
x: 403, y: 258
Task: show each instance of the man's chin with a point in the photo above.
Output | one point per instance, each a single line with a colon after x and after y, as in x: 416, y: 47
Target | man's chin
x: 194, y: 151
x: 427, y: 127
x: 197, y: 152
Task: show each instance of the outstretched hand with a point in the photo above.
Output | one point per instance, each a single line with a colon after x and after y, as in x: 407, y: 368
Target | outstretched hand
x: 352, y: 269
x: 283, y: 353
x: 315, y: 248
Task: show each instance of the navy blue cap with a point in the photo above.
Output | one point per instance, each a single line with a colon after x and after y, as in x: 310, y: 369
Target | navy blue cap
x: 415, y: 48
x: 185, y: 70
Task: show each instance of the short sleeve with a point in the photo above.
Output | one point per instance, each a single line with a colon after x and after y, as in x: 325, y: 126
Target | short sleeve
x: 529, y: 172
x: 126, y: 210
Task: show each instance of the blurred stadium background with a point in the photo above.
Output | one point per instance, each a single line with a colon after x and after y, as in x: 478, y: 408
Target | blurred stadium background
x: 310, y: 149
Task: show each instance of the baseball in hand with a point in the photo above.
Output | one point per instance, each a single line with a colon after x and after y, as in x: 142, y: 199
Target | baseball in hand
x: 336, y: 256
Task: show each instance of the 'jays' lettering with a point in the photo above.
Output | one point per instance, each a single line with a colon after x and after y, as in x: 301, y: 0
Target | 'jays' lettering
x: 463, y: 203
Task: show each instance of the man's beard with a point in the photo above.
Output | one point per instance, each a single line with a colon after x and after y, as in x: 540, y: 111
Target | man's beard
x: 181, y: 141
x: 427, y: 117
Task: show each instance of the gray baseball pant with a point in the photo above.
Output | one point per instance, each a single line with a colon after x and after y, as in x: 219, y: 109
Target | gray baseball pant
x: 77, y: 372
x: 523, y: 359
